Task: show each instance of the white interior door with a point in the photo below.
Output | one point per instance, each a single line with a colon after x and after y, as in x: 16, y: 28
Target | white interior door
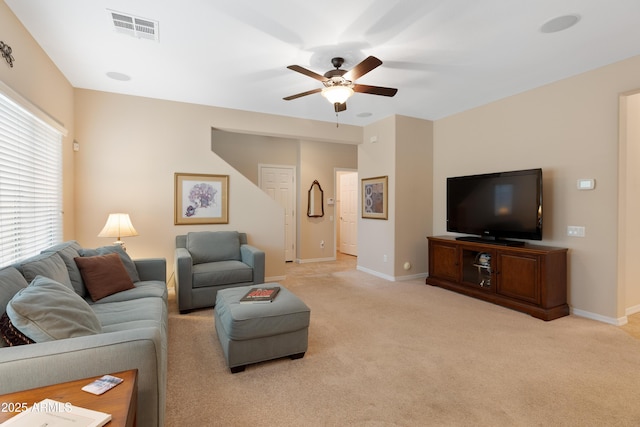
x: 349, y: 213
x: 278, y: 182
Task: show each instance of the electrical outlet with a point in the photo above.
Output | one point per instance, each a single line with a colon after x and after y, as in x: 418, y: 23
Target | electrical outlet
x: 575, y: 231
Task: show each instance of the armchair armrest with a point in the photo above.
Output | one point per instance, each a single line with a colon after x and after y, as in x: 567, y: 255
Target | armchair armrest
x: 183, y: 269
x: 152, y: 269
x: 254, y: 258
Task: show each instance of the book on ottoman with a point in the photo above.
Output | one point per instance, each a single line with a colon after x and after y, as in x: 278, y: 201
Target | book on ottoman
x: 260, y: 295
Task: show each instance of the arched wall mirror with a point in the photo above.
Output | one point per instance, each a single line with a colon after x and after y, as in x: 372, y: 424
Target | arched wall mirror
x: 316, y: 200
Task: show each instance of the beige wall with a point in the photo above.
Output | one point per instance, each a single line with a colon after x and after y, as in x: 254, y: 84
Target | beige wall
x: 313, y: 160
x: 376, y: 237
x: 414, y: 195
x: 319, y: 161
x: 570, y: 129
x: 130, y: 149
x: 132, y: 146
x: 400, y: 148
x: 37, y: 79
x: 246, y: 151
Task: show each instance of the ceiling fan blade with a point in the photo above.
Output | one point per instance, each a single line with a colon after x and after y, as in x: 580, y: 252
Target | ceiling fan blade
x: 362, y: 68
x: 298, y: 95
x: 340, y: 107
x: 306, y: 72
x: 375, y: 90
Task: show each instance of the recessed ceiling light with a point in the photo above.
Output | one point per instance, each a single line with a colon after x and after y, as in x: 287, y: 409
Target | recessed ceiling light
x: 118, y: 76
x: 559, y: 23
x: 364, y: 115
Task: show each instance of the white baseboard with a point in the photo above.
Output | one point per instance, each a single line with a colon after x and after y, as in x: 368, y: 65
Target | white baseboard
x: 305, y: 261
x: 412, y: 277
x: 376, y: 273
x: 632, y: 310
x: 391, y: 278
x: 605, y: 319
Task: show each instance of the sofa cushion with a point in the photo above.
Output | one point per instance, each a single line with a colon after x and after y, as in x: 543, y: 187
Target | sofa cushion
x: 104, y: 275
x: 47, y: 310
x: 68, y: 251
x: 212, y: 246
x: 128, y: 263
x: 142, y: 289
x: 11, y: 281
x: 221, y: 273
x: 48, y: 264
x: 121, y: 315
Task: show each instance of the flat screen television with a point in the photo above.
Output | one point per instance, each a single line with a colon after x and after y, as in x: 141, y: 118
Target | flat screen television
x: 496, y: 207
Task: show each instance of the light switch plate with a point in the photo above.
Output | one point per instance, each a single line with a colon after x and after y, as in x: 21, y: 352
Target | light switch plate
x: 586, y: 184
x: 575, y: 231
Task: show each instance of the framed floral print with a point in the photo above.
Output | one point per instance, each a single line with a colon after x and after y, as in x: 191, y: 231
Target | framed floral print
x: 201, y: 199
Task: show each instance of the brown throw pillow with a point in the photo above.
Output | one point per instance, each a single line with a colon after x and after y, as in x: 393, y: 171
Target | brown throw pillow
x: 103, y: 275
x: 10, y: 334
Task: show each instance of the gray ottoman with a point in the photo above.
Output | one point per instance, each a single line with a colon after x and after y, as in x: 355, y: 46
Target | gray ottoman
x: 251, y: 333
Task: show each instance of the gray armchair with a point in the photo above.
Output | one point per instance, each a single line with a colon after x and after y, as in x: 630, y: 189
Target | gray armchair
x: 207, y: 261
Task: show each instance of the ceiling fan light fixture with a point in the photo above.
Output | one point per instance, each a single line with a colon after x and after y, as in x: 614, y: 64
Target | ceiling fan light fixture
x: 337, y: 94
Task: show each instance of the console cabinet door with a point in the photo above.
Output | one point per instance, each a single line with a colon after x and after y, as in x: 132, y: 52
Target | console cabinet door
x: 444, y: 261
x: 519, y: 276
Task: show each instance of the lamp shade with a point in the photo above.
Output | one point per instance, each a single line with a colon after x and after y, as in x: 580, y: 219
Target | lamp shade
x: 337, y: 94
x: 118, y: 225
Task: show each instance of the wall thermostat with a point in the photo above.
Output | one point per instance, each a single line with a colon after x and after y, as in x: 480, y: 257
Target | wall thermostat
x: 330, y: 201
x: 586, y: 184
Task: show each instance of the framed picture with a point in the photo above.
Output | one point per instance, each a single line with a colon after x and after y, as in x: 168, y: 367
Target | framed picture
x: 201, y: 199
x: 375, y: 194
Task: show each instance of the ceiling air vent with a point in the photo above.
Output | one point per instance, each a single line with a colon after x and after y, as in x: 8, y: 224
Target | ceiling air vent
x: 134, y: 26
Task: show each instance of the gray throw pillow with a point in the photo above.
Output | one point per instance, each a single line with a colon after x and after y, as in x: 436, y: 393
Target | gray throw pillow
x: 129, y: 265
x: 68, y: 251
x: 47, y: 310
x: 47, y: 264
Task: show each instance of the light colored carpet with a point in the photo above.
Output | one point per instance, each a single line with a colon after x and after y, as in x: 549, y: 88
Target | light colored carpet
x: 633, y: 325
x: 407, y: 354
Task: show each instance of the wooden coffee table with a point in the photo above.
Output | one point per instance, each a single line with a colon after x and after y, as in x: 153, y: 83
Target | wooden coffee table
x: 121, y: 401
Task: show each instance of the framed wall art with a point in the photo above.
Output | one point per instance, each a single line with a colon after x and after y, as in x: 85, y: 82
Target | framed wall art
x: 375, y: 194
x: 201, y: 199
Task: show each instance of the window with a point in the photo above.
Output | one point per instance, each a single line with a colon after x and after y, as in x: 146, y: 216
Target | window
x: 30, y: 182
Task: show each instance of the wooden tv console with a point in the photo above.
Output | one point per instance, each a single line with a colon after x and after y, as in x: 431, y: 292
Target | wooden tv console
x: 531, y: 279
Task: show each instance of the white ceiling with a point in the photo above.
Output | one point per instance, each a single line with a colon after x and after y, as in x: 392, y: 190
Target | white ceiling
x: 444, y: 56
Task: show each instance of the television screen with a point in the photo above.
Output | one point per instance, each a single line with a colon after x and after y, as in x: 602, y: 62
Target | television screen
x: 496, y: 205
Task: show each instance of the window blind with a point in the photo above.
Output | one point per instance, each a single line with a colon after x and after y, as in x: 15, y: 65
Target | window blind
x: 30, y: 183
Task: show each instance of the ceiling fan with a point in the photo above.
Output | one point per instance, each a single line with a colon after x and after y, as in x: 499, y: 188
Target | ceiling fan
x: 340, y: 84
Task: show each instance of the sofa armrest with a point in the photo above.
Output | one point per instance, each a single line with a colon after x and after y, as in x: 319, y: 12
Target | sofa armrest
x: 183, y: 271
x: 37, y: 365
x: 254, y: 258
x: 152, y: 269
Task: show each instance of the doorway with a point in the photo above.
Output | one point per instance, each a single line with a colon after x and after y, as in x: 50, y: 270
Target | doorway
x: 347, y: 210
x: 628, y: 204
x: 279, y: 183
